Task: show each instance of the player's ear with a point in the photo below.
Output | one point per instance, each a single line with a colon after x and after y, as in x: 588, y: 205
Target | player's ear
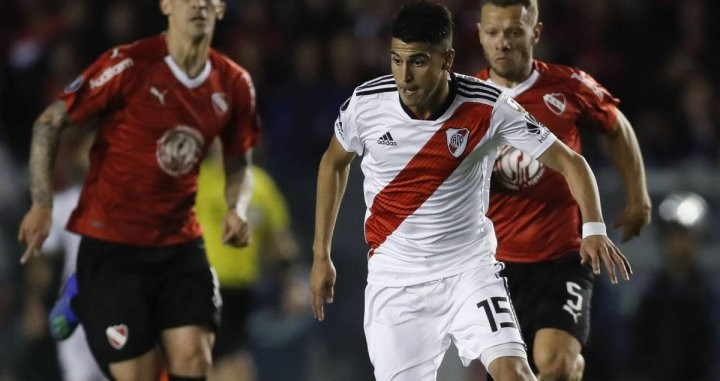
x: 165, y: 7
x: 537, y: 30
x: 449, y: 59
x: 220, y: 7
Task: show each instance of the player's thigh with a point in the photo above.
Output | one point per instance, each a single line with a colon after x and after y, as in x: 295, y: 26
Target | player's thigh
x: 485, y: 319
x: 405, y: 335
x: 188, y: 290
x: 113, y: 302
x: 188, y: 349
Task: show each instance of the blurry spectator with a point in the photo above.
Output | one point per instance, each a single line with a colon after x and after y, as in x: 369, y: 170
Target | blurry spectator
x: 269, y: 260
x: 676, y: 328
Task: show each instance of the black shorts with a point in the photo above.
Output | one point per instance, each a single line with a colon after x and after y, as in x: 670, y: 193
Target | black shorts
x: 551, y: 294
x: 232, y: 335
x: 129, y: 294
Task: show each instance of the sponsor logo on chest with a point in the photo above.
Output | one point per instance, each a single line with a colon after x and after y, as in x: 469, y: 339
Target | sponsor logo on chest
x: 179, y: 150
x: 387, y: 140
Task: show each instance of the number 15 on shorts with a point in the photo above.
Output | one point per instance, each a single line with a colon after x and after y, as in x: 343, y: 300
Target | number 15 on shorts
x: 499, y: 312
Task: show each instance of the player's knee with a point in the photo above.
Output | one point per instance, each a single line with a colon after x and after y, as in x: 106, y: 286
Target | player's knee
x: 557, y: 365
x: 191, y: 359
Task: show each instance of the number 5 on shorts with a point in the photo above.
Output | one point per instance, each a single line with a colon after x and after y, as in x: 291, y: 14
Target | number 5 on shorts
x: 496, y: 310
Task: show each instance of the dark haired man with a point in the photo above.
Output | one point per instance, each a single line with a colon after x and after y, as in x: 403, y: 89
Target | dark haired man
x: 428, y: 138
x: 142, y: 273
x: 536, y: 219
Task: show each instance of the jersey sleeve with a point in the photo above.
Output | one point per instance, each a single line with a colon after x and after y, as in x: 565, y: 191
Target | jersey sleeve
x: 99, y: 87
x: 517, y: 128
x: 243, y: 129
x: 597, y: 104
x: 346, y: 127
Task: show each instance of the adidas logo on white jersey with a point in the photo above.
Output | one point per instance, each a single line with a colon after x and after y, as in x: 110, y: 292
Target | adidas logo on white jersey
x: 387, y: 140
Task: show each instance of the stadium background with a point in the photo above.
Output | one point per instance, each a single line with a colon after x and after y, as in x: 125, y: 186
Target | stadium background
x: 660, y: 57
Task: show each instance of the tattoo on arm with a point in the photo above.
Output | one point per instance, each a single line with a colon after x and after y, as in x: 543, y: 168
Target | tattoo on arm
x: 46, y: 133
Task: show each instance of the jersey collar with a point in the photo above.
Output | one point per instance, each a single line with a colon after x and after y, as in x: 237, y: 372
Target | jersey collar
x: 441, y: 110
x: 522, y: 86
x: 190, y: 83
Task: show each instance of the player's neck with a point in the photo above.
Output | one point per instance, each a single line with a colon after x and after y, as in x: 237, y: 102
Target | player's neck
x: 434, y: 102
x: 511, y: 81
x: 189, y: 55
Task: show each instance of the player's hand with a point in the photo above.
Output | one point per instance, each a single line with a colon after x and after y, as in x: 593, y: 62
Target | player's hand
x: 597, y: 248
x: 235, y: 230
x: 322, y: 284
x: 634, y: 218
x: 34, y: 229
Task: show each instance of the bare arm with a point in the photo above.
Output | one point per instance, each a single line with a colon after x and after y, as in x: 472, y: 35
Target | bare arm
x: 332, y: 180
x: 627, y: 157
x: 583, y: 187
x: 238, y: 192
x: 46, y: 134
x: 35, y: 226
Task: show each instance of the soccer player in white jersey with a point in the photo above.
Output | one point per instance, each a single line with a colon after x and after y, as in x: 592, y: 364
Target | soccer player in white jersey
x: 428, y: 138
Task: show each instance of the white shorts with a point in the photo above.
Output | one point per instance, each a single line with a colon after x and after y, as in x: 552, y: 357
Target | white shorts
x: 408, y: 329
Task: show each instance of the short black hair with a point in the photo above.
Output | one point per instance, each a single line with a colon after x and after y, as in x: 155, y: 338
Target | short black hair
x: 423, y: 21
x: 530, y: 5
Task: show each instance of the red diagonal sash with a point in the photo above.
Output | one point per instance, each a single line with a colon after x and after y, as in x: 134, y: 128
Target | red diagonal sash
x: 424, y: 174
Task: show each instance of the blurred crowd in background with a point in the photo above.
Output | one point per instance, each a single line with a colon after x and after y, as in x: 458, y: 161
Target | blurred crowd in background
x: 305, y: 57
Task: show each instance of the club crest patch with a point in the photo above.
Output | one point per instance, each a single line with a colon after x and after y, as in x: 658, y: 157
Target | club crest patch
x: 457, y: 139
x: 219, y: 103
x: 555, y: 102
x: 117, y: 335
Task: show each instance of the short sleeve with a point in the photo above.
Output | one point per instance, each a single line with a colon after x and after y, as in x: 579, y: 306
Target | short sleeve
x: 596, y: 102
x: 346, y: 127
x: 517, y: 128
x: 243, y: 130
x: 99, y: 87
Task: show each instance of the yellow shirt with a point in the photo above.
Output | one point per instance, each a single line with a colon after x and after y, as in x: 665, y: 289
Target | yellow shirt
x: 267, y: 212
